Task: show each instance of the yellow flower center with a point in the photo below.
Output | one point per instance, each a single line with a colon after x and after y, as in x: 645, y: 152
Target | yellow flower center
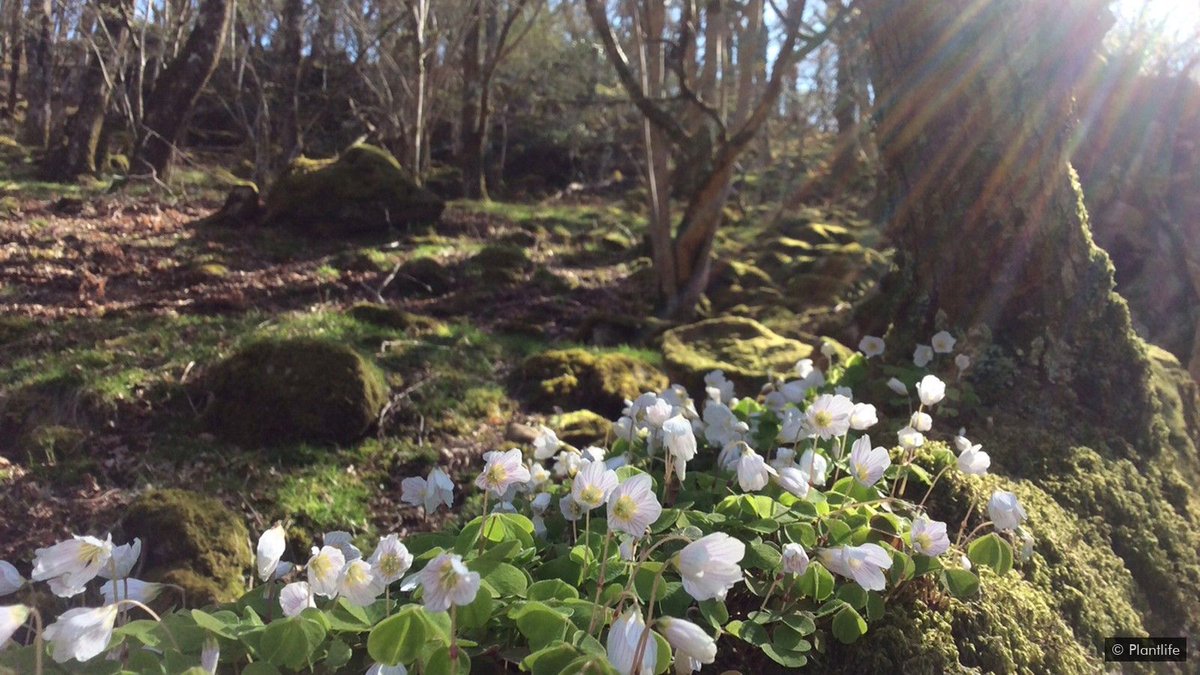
x: 321, y: 566
x: 89, y: 553
x: 925, y: 540
x: 496, y: 474
x: 591, y: 495
x: 823, y: 419
x: 357, y: 575
x: 854, y: 563
x: 390, y: 565
x: 625, y: 508
x: 862, y: 473
x: 448, y: 578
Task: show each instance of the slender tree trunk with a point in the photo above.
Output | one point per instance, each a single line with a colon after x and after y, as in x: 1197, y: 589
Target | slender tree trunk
x: 845, y: 111
x: 292, y: 29
x: 471, y: 162
x: 420, y: 12
x: 169, y: 107
x: 16, y: 46
x: 649, y: 46
x: 78, y: 155
x: 39, y: 78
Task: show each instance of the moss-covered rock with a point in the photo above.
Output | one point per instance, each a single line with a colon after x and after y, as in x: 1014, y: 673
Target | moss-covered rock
x: 499, y: 264
x: 735, y: 283
x: 281, y: 391
x: 193, y: 541
x: 581, y: 428
x: 392, y: 317
x: 577, y: 378
x: 364, y: 191
x: 423, y: 276
x: 745, y: 349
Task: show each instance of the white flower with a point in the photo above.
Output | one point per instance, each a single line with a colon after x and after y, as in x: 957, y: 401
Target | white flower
x: 931, y: 390
x: 380, y: 669
x: 1026, y: 546
x: 829, y: 416
x: 920, y: 421
x: 863, y: 417
x: 814, y: 465
x: 271, y: 545
x: 717, y: 387
x: 972, y: 460
x: 960, y: 441
x: 12, y: 617
x: 827, y: 349
x: 626, y: 548
x: 864, y: 564
x: 504, y: 507
x: 681, y: 443
x: 1005, y: 511
x: 210, y: 655
x: 538, y: 474
x: 791, y: 427
x: 795, y: 560
x: 943, y: 342
x: 659, y: 412
x: 281, y: 570
x: 72, y: 563
x: 412, y: 490
x: 359, y: 584
x: 391, y: 559
x: 962, y: 362
x: 81, y: 633
x: 623, y: 638
x: 592, y: 485
x: 592, y: 454
x: 10, y: 580
x: 722, y: 427
x: 910, y: 438
x: 966, y: 562
x: 131, y: 589
x: 539, y: 525
x: 324, y: 568
x: 871, y: 346
x: 784, y: 457
x: 567, y: 464
x: 570, y: 508
x: 752, y: 471
x: 632, y: 506
x: 688, y: 639
x: 709, y: 566
x: 503, y: 469
x: 922, y: 355
x: 123, y: 559
x: 804, y: 368
x: 929, y: 537
x: 545, y: 444
x: 794, y: 481
x: 540, y: 502
x: 342, y: 541
x: 295, y: 598
x: 439, y: 490
x: 446, y: 581
x: 897, y: 386
x: 868, y: 465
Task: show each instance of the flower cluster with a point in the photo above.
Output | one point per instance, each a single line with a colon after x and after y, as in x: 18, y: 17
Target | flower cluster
x: 711, y: 524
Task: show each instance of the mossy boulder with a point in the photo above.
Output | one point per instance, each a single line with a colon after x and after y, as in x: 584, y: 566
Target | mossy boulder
x: 193, y: 541
x: 423, y: 276
x: 747, y: 351
x: 499, y: 264
x: 577, y: 378
x: 581, y: 428
x: 386, y: 316
x: 296, y: 390
x: 364, y: 191
x: 735, y: 283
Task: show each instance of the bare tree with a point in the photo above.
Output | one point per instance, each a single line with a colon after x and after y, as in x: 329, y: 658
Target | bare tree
x: 16, y: 48
x: 39, y: 80
x: 691, y: 125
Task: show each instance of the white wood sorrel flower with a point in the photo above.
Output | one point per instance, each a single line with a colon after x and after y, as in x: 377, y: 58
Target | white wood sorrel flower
x: 592, y: 485
x: 131, y: 589
x: 623, y: 638
x: 752, y: 470
x: 71, y: 563
x: 359, y: 584
x: 795, y: 559
x: 871, y: 346
x: 81, y: 633
x: 864, y: 564
x: 1005, y: 511
x: 295, y: 598
x: 866, y: 464
x: 971, y: 459
x: 271, y: 545
x: 503, y: 470
x: 709, y: 566
x: 829, y: 416
x: 693, y: 646
x: 124, y: 557
x: 632, y: 506
x: 929, y: 537
x: 680, y: 440
x: 391, y: 559
x: 943, y: 342
x: 931, y: 390
x: 324, y: 570
x: 12, y: 617
x: 10, y: 579
x: 446, y: 581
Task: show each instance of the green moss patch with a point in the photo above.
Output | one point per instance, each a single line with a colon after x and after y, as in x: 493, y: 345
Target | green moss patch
x: 582, y: 428
x: 745, y: 349
x: 577, y: 378
x: 280, y: 391
x: 193, y: 541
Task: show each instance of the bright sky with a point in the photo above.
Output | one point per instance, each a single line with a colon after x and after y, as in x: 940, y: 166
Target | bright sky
x: 1178, y: 17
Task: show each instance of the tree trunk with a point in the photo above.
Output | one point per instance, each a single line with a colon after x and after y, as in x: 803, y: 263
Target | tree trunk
x: 471, y: 161
x: 846, y: 150
x: 292, y: 29
x: 169, y: 107
x: 78, y: 155
x: 16, y: 48
x: 39, y: 77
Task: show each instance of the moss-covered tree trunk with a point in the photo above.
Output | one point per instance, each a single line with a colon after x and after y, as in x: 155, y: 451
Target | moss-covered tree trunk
x: 975, y: 120
x: 79, y: 153
x: 169, y: 106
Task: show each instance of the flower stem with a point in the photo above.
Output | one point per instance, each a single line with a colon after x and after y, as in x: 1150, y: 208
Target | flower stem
x: 641, y: 647
x: 767, y: 597
x: 483, y: 524
x: 600, y: 580
x: 38, y: 645
x: 935, y: 480
x: 453, y: 639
